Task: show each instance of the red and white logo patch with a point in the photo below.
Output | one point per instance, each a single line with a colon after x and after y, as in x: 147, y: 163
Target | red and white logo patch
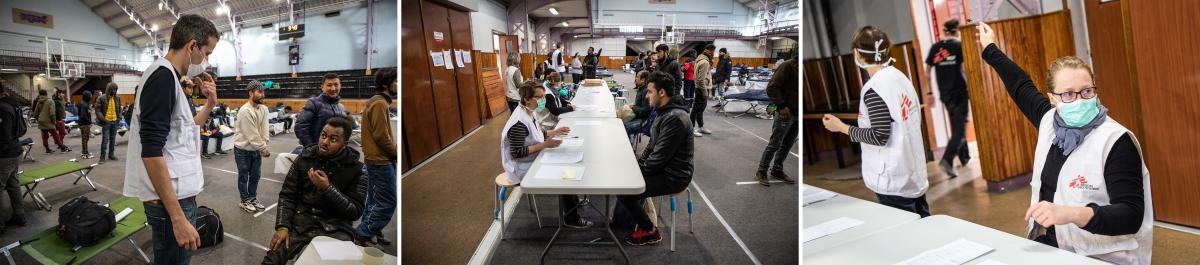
x: 1081, y: 182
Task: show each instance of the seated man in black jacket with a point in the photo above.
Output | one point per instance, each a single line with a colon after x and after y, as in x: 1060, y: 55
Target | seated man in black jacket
x: 641, y: 106
x: 322, y: 195
x: 666, y: 164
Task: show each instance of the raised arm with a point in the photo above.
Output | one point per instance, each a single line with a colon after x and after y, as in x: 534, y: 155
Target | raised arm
x: 1020, y: 88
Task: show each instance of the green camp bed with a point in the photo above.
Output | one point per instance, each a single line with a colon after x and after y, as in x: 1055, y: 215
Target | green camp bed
x: 31, y: 178
x: 47, y: 248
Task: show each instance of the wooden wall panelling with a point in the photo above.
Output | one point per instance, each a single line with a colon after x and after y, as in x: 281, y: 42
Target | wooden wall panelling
x: 1163, y: 38
x: 445, y: 86
x: 468, y: 90
x: 1112, y: 63
x: 420, y: 135
x: 1005, y: 137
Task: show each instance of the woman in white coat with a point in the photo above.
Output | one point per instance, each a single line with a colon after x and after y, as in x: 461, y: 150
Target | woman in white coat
x: 889, y: 126
x: 1091, y: 191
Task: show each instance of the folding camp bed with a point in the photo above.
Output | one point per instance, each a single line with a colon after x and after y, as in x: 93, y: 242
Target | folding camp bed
x: 753, y: 97
x: 47, y: 248
x: 27, y: 146
x: 31, y: 178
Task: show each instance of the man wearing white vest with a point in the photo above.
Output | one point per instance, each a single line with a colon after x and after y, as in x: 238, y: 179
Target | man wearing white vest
x: 1091, y: 190
x: 889, y: 125
x: 162, y: 167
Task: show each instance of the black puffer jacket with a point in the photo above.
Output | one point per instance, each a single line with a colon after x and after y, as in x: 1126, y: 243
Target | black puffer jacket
x: 312, y: 117
x: 669, y: 153
x: 303, y: 207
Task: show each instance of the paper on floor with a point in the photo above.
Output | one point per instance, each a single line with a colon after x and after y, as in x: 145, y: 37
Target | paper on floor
x: 958, y: 252
x: 829, y: 228
x: 337, y: 250
x: 560, y: 172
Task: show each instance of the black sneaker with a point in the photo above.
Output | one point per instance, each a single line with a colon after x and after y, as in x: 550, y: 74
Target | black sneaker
x: 112, y: 157
x: 948, y: 167
x: 578, y: 223
x: 206, y: 156
x: 781, y: 176
x: 221, y: 152
x: 761, y: 177
x: 643, y: 237
x: 48, y: 151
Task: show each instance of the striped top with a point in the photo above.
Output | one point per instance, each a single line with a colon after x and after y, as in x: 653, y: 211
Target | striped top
x: 881, y: 122
x: 516, y: 140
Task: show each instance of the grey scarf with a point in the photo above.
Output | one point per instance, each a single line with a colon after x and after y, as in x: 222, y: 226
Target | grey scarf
x: 1068, y: 138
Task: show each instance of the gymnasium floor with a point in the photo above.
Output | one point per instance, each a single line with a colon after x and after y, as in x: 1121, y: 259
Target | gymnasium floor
x: 448, y: 206
x: 246, y: 235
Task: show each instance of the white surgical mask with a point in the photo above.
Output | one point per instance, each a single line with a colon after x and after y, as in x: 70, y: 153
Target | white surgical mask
x: 196, y: 69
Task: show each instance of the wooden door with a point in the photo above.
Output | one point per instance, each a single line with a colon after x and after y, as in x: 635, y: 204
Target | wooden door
x: 1111, y: 61
x: 445, y: 86
x: 420, y: 136
x: 508, y: 44
x: 468, y: 100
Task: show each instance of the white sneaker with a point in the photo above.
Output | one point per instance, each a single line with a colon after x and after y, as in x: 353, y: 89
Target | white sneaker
x: 248, y: 207
x: 705, y: 131
x: 258, y: 206
x: 696, y: 132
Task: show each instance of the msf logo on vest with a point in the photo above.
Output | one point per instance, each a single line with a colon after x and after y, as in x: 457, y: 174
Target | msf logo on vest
x: 1081, y: 182
x: 905, y: 106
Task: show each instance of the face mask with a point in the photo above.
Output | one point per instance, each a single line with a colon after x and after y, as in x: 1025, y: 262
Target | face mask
x: 563, y: 92
x: 1079, y: 112
x: 541, y: 105
x: 196, y: 69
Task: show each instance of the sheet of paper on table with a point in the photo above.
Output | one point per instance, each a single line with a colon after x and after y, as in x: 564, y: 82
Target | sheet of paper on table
x: 560, y: 173
x: 958, y: 252
x: 814, y: 195
x: 337, y: 250
x: 992, y: 262
x: 587, y: 123
x: 830, y: 227
x: 560, y: 156
x: 572, y: 141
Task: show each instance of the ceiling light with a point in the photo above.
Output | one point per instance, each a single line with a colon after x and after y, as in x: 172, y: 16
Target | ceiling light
x: 565, y: 24
x: 153, y: 27
x: 8, y: 69
x: 553, y: 11
x: 160, y: 5
x: 222, y: 9
x: 639, y: 38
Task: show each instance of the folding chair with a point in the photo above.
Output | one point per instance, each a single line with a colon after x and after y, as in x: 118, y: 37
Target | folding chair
x: 27, y: 146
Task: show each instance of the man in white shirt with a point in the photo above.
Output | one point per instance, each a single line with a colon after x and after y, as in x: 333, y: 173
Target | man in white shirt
x: 250, y: 139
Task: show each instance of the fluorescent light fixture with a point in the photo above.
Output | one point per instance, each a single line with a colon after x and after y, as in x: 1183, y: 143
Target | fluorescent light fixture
x: 160, y: 5
x: 8, y: 69
x: 639, y: 38
x: 776, y: 38
x: 565, y: 24
x: 222, y: 9
x: 553, y: 11
x: 153, y: 27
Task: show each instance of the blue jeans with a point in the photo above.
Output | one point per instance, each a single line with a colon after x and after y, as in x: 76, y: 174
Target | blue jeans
x: 108, y: 139
x: 204, y: 142
x: 249, y: 167
x: 381, y: 200
x: 166, y: 250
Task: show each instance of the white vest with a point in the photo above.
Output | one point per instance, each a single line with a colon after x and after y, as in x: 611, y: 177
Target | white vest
x: 1081, y: 182
x: 181, y: 150
x: 898, y: 168
x: 515, y: 168
x: 556, y: 61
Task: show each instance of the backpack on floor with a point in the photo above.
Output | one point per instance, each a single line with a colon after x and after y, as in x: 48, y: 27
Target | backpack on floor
x: 208, y: 225
x: 83, y: 222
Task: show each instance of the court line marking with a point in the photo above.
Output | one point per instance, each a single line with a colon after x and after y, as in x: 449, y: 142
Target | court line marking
x: 243, y: 240
x: 235, y: 174
x: 756, y: 135
x: 726, y: 224
x: 756, y: 182
x: 266, y: 210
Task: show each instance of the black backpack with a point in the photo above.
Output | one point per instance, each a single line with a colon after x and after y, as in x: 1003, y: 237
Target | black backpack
x: 83, y: 222
x: 208, y: 225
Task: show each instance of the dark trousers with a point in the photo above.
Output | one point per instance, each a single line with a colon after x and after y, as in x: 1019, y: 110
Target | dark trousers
x: 916, y: 205
x: 567, y: 207
x: 166, y: 249
x: 697, y: 114
x: 783, y: 135
x: 204, y: 142
x: 10, y: 191
x: 108, y: 140
x: 655, y: 186
x: 576, y: 78
x: 689, y: 89
x: 957, y: 146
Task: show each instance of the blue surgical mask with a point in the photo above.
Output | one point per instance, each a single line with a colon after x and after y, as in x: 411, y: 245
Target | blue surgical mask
x: 1080, y: 112
x: 563, y: 92
x: 541, y: 105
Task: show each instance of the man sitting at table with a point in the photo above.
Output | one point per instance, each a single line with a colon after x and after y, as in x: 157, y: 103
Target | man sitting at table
x: 322, y: 194
x: 666, y: 163
x: 523, y: 139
